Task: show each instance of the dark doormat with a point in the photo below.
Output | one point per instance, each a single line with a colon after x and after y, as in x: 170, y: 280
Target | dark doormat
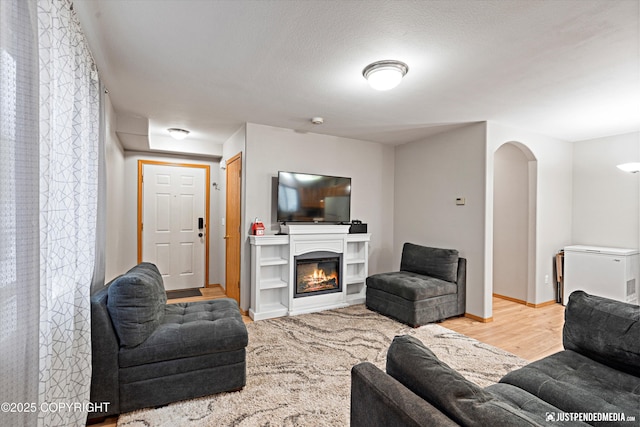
x: 184, y: 293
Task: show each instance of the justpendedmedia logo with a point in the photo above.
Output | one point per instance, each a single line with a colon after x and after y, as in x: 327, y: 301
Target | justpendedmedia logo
x: 589, y: 417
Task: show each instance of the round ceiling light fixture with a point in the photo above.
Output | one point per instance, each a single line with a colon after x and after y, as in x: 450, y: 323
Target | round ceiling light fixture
x: 178, y: 133
x: 633, y: 167
x: 385, y: 75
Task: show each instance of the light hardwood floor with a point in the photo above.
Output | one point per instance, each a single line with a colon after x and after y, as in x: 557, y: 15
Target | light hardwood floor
x: 531, y: 333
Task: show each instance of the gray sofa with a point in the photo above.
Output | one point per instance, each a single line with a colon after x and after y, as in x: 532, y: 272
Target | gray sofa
x: 594, y: 381
x: 430, y: 286
x: 147, y: 353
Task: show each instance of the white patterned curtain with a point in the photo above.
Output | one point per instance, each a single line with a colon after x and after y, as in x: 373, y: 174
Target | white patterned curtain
x: 69, y: 129
x: 55, y: 216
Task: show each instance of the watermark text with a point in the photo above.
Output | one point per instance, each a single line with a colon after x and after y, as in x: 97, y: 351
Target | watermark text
x: 54, y: 406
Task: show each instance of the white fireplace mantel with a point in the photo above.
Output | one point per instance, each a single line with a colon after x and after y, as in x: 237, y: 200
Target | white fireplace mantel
x: 273, y: 269
x: 295, y: 229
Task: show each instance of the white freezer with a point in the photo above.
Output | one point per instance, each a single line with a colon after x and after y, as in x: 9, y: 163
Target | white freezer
x: 607, y: 272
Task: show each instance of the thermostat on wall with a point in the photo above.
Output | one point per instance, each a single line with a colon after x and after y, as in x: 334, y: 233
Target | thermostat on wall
x: 460, y: 201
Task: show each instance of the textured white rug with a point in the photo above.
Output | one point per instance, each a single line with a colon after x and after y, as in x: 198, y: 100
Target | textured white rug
x: 298, y: 370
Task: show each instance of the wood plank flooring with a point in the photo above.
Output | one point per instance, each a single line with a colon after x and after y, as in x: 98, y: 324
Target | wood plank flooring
x: 531, y: 333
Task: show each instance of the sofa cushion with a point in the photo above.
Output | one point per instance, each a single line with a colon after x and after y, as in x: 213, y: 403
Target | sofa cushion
x: 535, y: 407
x: 415, y: 366
x: 189, y: 330
x: 575, y: 383
x: 411, y: 286
x: 136, y: 303
x: 435, y: 262
x: 604, y: 330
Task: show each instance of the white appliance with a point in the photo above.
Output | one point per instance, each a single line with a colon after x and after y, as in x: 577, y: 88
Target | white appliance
x: 607, y: 272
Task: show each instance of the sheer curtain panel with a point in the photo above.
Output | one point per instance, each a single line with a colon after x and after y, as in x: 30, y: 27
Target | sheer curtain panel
x: 19, y: 207
x: 49, y: 125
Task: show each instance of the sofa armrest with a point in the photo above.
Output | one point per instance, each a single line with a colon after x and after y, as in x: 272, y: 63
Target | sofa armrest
x: 462, y: 285
x: 603, y: 330
x: 379, y: 400
x: 104, y: 356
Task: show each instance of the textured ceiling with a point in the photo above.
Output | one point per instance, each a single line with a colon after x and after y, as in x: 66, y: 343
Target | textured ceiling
x: 566, y: 69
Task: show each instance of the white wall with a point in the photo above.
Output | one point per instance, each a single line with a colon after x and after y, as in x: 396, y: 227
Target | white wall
x: 115, y: 203
x: 429, y: 176
x: 511, y: 222
x: 606, y: 200
x: 369, y: 165
x: 553, y: 203
x: 129, y: 245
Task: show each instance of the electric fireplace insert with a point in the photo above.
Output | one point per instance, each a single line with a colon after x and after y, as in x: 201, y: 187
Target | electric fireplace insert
x: 318, y: 273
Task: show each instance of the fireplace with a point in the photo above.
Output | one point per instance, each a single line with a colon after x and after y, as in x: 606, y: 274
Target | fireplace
x: 318, y: 273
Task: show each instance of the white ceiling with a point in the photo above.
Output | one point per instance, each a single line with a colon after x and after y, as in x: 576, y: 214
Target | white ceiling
x: 566, y: 69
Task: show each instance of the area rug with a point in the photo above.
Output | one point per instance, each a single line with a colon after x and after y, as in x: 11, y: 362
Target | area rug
x: 298, y: 370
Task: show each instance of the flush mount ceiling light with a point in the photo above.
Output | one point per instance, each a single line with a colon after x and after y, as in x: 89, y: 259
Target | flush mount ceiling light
x: 178, y: 133
x: 633, y: 167
x: 385, y: 75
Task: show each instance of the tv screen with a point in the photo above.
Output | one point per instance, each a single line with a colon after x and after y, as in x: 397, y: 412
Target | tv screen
x: 304, y: 197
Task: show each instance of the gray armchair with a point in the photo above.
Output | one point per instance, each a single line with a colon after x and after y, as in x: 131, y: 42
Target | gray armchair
x: 147, y: 353
x: 430, y: 286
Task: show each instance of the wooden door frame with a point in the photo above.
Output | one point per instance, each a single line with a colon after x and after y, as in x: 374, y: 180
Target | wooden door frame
x: 226, y: 270
x: 207, y: 179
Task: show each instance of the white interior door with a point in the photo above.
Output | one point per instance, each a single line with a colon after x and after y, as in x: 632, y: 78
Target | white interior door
x: 173, y: 236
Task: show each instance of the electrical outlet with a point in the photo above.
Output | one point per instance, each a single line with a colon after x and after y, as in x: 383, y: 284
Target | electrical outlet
x: 546, y: 279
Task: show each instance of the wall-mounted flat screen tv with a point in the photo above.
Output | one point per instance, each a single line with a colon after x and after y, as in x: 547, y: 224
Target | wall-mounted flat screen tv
x: 304, y: 197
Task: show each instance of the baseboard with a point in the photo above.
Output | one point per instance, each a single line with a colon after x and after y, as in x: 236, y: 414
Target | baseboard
x: 542, y: 304
x: 519, y: 301
x: 478, y: 318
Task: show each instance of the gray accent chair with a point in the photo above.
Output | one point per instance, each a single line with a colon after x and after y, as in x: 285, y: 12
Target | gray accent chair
x: 147, y: 353
x: 597, y: 373
x: 430, y: 286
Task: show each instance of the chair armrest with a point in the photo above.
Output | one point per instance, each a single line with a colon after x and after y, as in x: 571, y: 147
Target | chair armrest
x: 462, y: 285
x: 379, y: 400
x: 104, y: 357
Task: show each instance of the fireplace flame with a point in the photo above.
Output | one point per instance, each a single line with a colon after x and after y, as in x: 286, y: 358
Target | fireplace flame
x: 318, y: 277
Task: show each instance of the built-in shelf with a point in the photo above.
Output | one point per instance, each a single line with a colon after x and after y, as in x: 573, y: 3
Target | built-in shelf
x: 350, y: 280
x: 272, y: 265
x: 273, y: 284
x: 273, y: 261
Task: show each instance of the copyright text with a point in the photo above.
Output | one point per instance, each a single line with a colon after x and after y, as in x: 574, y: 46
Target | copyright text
x: 54, y: 406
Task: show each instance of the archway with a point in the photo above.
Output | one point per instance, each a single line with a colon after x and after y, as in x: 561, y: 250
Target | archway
x: 514, y: 223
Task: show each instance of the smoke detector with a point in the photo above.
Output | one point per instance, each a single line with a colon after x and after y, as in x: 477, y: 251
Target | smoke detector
x: 317, y: 120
